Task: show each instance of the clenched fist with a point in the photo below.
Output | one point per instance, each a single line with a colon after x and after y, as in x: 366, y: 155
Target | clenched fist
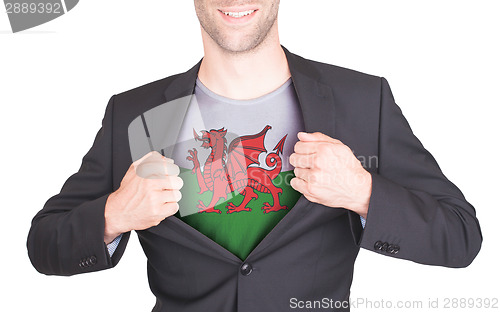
x: 148, y: 193
x: 327, y: 172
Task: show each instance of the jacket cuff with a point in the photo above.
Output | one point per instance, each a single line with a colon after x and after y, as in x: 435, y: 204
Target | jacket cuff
x: 382, y: 212
x: 91, y: 253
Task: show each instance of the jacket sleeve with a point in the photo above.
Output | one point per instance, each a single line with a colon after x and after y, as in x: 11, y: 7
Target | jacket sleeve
x: 415, y: 212
x: 67, y: 236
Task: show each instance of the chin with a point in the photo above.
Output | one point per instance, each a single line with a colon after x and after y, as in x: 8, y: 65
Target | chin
x: 238, y: 45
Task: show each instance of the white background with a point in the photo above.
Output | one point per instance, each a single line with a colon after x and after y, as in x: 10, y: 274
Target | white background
x: 441, y: 59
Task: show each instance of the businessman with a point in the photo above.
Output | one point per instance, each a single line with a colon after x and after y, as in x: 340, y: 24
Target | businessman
x: 246, y: 179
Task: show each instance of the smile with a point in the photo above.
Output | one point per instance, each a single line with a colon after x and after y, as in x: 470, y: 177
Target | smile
x: 238, y: 14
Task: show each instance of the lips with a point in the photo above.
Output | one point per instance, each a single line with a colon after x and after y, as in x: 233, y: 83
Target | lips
x: 237, y: 15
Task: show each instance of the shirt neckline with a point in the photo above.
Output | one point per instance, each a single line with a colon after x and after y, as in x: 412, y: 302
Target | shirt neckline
x: 227, y: 100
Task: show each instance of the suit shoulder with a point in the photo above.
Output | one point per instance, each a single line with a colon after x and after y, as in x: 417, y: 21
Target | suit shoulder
x: 152, y: 89
x: 130, y: 104
x: 334, y: 74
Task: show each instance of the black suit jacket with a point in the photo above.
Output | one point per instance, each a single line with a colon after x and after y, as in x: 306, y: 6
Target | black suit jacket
x: 415, y: 212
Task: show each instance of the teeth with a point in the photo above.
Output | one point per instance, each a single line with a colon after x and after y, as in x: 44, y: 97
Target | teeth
x: 239, y: 14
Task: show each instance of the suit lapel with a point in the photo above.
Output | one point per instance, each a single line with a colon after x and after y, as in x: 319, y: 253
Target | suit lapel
x: 170, y: 115
x: 158, y: 127
x: 183, y: 84
x: 315, y: 98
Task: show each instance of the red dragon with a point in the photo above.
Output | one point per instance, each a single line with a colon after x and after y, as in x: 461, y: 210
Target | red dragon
x: 235, y: 169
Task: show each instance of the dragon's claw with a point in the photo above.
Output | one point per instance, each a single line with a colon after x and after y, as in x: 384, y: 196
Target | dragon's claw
x: 267, y: 208
x: 232, y: 208
x: 202, y: 208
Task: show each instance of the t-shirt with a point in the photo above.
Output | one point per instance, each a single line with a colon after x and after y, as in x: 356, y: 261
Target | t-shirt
x: 233, y: 156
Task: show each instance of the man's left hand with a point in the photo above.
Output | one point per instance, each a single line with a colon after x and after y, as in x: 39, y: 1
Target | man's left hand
x: 327, y: 172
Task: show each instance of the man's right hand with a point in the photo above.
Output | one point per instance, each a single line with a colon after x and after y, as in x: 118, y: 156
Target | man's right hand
x: 148, y: 193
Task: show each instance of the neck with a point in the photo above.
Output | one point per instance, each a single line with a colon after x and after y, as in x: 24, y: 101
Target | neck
x: 244, y: 75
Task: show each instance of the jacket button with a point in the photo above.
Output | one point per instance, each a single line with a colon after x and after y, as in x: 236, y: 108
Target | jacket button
x: 384, y: 247
x: 395, y: 249
x: 390, y: 248
x: 246, y: 269
x: 83, y: 264
x: 378, y: 245
x: 93, y: 260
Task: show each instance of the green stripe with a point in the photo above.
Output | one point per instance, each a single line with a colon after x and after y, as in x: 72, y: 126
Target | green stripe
x: 238, y: 232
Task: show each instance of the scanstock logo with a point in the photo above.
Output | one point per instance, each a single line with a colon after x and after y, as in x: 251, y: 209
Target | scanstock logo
x: 25, y: 14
